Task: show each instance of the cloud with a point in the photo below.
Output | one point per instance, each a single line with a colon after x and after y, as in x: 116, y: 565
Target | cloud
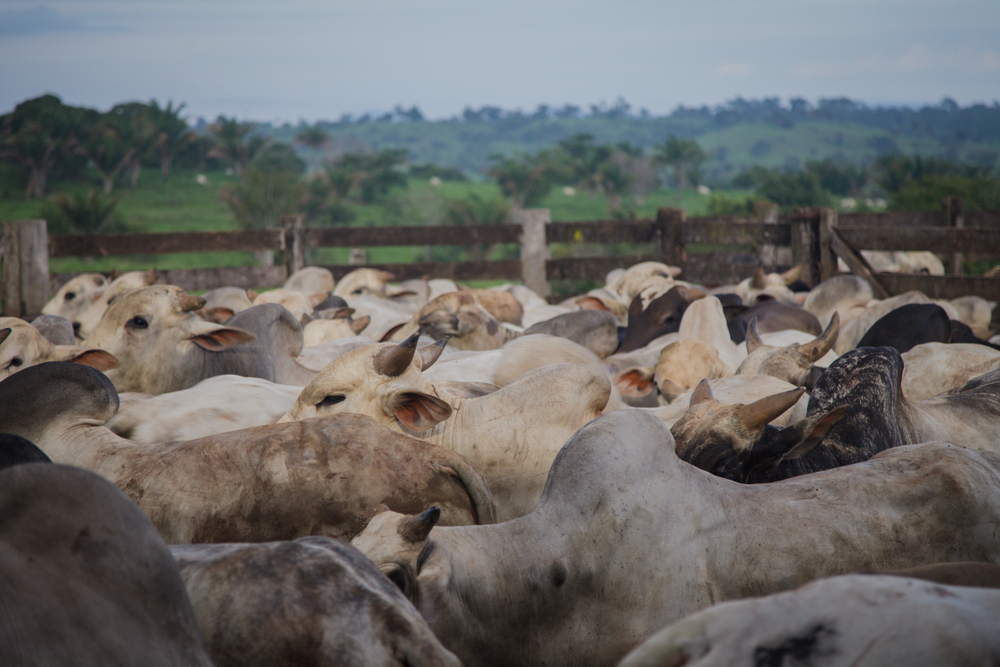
x: 732, y: 69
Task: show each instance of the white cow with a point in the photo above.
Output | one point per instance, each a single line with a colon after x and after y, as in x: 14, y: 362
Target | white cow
x: 840, y: 622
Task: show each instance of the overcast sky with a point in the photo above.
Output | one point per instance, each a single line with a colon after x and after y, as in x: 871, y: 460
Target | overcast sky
x: 318, y: 59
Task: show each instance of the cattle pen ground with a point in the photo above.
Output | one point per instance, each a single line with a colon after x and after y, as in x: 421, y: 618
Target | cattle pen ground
x: 553, y: 258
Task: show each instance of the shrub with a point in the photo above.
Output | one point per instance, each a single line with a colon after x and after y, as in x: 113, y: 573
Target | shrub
x: 79, y: 213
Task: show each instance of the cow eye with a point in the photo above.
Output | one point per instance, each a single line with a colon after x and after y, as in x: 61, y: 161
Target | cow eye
x: 70, y: 296
x: 138, y: 322
x: 332, y: 399
x: 16, y: 361
x: 398, y: 577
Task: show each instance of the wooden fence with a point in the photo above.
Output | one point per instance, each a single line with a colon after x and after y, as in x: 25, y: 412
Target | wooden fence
x: 815, y: 237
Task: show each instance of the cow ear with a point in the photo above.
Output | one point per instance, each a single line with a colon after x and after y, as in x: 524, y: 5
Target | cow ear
x: 318, y: 298
x: 358, y: 325
x: 635, y: 382
x: 443, y: 323
x: 98, y: 359
x: 591, y: 303
x: 219, y: 314
x: 812, y: 430
x: 419, y: 411
x: 671, y: 390
x: 222, y: 338
x: 386, y: 337
x: 432, y: 584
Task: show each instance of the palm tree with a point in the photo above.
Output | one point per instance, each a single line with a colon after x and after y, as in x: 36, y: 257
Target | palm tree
x: 234, y: 144
x: 138, y: 132
x: 106, y: 150
x: 173, y: 133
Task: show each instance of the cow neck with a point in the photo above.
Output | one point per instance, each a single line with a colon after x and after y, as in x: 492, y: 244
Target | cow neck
x: 94, y: 448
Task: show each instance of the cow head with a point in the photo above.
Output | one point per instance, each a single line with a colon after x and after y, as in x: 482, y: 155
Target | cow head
x: 76, y: 296
x: 25, y: 346
x: 363, y: 281
x: 459, y: 316
x: 155, y: 335
x: 400, y: 546
x: 85, y: 322
x: 734, y: 441
x: 794, y: 363
x: 639, y: 277
x: 662, y: 316
x: 382, y: 381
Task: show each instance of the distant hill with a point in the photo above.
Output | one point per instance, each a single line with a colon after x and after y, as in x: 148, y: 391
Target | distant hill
x: 739, y: 133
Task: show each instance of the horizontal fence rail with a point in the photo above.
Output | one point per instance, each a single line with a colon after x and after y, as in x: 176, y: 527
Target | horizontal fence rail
x: 710, y: 250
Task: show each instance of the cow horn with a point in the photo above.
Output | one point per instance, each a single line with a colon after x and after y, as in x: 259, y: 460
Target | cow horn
x: 417, y: 528
x: 190, y: 302
x: 793, y: 274
x: 759, y: 413
x: 393, y: 361
x: 758, y: 281
x: 702, y: 393
x: 753, y: 336
x: 824, y: 342
x: 430, y: 354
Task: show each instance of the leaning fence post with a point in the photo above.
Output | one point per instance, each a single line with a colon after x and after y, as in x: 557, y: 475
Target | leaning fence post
x: 25, y: 280
x: 293, y: 243
x: 534, y: 250
x: 671, y: 239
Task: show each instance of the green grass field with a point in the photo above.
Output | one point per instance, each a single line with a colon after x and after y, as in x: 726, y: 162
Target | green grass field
x: 183, y: 205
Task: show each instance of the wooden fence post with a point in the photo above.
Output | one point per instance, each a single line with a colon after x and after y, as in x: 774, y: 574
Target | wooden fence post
x: 956, y: 219
x: 827, y: 257
x: 24, y: 286
x: 534, y: 250
x: 767, y: 253
x: 670, y: 248
x: 293, y: 243
x: 807, y: 231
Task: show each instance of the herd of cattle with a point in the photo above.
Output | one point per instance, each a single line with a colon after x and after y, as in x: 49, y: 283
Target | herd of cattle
x: 366, y: 473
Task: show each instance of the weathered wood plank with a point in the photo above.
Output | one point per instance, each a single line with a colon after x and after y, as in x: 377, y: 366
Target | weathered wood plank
x: 740, y: 233
x: 942, y: 287
x: 718, y: 268
x: 99, y: 245
x: 935, y: 239
x: 895, y: 219
x: 24, y: 284
x: 361, y: 237
x: 602, y: 231
x: 509, y: 269
x: 982, y: 218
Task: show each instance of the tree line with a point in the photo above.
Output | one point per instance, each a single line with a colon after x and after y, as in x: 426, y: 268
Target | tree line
x: 46, y: 139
